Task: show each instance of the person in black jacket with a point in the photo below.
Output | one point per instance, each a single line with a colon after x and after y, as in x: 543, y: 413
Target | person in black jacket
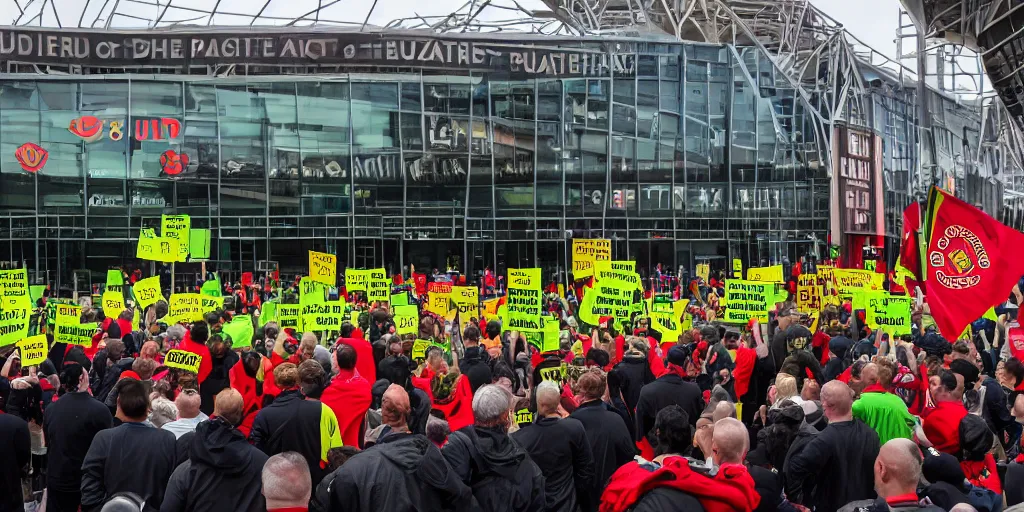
x: 222, y: 358
x: 669, y: 389
x: 844, y: 452
x: 133, y: 457
x: 292, y: 423
x: 609, y: 439
x: 107, y: 367
x: 474, y: 364
x: 561, y: 451
x: 402, y: 471
x: 69, y: 426
x: 485, y: 458
x: 635, y: 372
x: 223, y: 469
x: 15, y: 451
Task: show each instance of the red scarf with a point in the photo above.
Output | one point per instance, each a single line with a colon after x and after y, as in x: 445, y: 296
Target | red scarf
x: 982, y: 473
x: 731, y: 490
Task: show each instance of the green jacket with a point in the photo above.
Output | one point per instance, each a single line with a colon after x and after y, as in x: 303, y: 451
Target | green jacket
x: 885, y: 413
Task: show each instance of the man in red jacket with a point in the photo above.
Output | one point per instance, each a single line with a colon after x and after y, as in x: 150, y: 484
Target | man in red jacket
x: 348, y: 395
x: 941, y: 424
x: 365, y: 364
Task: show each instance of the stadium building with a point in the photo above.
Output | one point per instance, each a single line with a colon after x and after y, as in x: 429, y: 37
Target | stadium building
x: 472, y: 140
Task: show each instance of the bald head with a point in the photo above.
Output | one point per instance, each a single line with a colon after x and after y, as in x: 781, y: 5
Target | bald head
x: 395, y: 408
x: 548, y: 396
x: 836, y: 399
x: 286, y: 481
x: 898, y: 468
x: 188, y: 404
x: 723, y: 409
x: 730, y: 441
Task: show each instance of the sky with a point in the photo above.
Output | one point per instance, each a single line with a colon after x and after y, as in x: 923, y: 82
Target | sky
x: 872, y: 21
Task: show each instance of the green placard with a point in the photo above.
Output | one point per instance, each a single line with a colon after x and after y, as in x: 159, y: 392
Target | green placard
x: 199, y: 244
x: 400, y: 299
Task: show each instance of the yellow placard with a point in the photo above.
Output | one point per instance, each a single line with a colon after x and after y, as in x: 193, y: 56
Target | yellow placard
x: 323, y: 267
x: 147, y: 291
x: 378, y: 289
x: 158, y: 249
x: 749, y: 299
x: 68, y: 314
x: 466, y: 300
x: 75, y: 334
x: 848, y: 279
x: 491, y: 307
x: 210, y: 304
x: 407, y: 320
x: 13, y: 325
x: 703, y: 271
x: 183, y: 359
x: 524, y: 278
x: 185, y: 307
x: 33, y: 350
x: 177, y: 227
x: 772, y: 274
x: 355, y: 280
x: 14, y: 289
x: 113, y: 304
x: 737, y: 268
x: 808, y: 293
x: 324, y: 316
x: 585, y: 252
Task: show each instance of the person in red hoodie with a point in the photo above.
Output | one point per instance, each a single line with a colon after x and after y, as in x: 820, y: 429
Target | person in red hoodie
x: 253, y: 378
x: 348, y: 394
x: 669, y: 484
x: 365, y: 364
x: 195, y: 341
x: 941, y: 423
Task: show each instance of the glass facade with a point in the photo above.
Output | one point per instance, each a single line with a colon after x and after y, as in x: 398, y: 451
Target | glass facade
x: 704, y: 153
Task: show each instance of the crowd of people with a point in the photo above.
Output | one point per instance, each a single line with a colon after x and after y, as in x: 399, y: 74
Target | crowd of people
x: 468, y: 415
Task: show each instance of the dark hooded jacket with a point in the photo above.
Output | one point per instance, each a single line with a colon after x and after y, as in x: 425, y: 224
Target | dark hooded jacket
x: 103, y: 378
x: 560, y: 449
x: 500, y: 473
x: 401, y: 472
x: 839, y: 346
x: 635, y: 372
x: 844, y: 452
x: 132, y: 457
x: 222, y: 473
x: 610, y: 441
x: 476, y: 367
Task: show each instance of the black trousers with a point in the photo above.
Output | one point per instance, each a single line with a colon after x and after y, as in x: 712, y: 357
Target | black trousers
x: 63, y: 501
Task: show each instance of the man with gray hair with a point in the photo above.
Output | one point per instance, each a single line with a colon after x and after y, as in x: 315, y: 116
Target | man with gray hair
x: 286, y: 482
x: 560, y: 448
x: 162, y: 412
x: 484, y: 457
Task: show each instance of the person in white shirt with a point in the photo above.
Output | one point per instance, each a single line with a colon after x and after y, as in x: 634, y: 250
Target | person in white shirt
x: 189, y: 416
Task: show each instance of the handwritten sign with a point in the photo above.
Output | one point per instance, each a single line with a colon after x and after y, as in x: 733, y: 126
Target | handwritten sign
x: 808, y: 293
x: 848, y: 279
x: 183, y: 360
x: 115, y: 281
x: 68, y: 314
x: 324, y: 316
x: 211, y: 304
x: 13, y: 325
x: 466, y: 300
x: 33, y: 350
x: 617, y: 273
x: 158, y: 249
x: 524, y: 278
x: 407, y: 319
x: 323, y: 267
x: 355, y: 279
x: 377, y: 286
x: 14, y: 289
x: 771, y: 274
x: 703, y: 271
x: 737, y: 268
x: 749, y: 299
x: 888, y: 312
x: 113, y: 304
x: 438, y: 298
x: 288, y: 315
x: 185, y: 307
x: 75, y: 333
x: 585, y: 252
x: 177, y: 227
x: 147, y: 291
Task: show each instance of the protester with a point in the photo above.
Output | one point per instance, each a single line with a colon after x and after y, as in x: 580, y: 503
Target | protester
x: 162, y: 411
x: 286, y: 481
x: 222, y: 469
x: 485, y: 458
x: 669, y: 389
x: 897, y: 474
x: 561, y: 450
x: 15, y: 452
x: 474, y: 364
x: 609, y: 439
x: 668, y: 483
x: 294, y: 424
x: 69, y: 425
x: 348, y: 394
x: 403, y: 471
x: 881, y: 410
x: 941, y: 423
x: 844, y: 452
x: 189, y: 415
x: 132, y: 457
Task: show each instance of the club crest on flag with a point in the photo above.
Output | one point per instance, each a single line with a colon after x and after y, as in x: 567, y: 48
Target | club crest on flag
x: 959, y: 256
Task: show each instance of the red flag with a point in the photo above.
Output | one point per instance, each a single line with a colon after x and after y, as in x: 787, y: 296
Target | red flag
x: 973, y: 262
x: 909, y: 264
